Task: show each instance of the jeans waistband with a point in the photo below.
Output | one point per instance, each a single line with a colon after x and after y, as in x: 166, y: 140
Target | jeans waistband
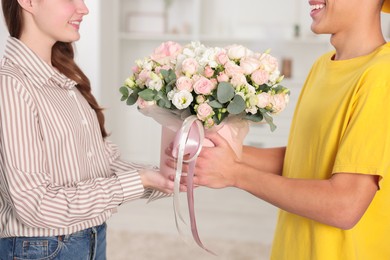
x: 88, y: 231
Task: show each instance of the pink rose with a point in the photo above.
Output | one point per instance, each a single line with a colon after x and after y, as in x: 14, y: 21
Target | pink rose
x: 249, y: 65
x: 222, y: 77
x: 264, y: 100
x: 135, y: 69
x: 184, y: 83
x: 222, y: 57
x: 203, y: 86
x: 204, y: 111
x: 231, y: 69
x: 260, y: 77
x: 142, y: 103
x: 190, y: 66
x: 166, y: 52
x: 144, y: 76
x: 208, y: 72
x: 200, y: 99
x: 214, y: 81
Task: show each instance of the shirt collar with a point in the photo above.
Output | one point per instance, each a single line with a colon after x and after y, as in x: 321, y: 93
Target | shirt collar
x: 33, y: 66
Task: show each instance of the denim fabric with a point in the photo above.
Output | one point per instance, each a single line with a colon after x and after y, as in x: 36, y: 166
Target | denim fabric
x: 88, y: 244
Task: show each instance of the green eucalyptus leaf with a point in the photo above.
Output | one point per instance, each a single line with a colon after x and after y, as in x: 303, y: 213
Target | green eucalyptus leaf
x: 147, y: 94
x: 270, y: 121
x: 237, y: 105
x: 225, y: 92
x: 258, y: 117
x: 162, y: 103
x: 132, y: 99
x: 124, y: 91
x: 168, y: 75
x: 215, y: 104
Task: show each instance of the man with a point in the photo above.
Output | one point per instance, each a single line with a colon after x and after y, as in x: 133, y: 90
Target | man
x: 331, y: 181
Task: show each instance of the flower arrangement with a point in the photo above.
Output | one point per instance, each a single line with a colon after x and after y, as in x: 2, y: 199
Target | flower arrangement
x: 212, y: 83
x: 191, y: 88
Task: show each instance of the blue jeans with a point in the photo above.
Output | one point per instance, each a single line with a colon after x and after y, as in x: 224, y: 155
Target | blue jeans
x: 87, y: 244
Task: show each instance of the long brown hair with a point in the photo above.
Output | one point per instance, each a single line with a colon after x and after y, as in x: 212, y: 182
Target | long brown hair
x: 62, y: 57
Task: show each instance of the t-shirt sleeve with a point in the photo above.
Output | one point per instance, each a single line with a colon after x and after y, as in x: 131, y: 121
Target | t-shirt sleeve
x: 365, y: 145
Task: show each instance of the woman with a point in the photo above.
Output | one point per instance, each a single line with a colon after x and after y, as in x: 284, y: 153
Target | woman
x: 60, y: 179
x: 331, y: 182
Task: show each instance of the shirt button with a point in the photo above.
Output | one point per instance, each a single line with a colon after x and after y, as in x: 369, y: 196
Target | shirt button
x: 84, y: 122
x: 89, y: 154
x: 71, y: 93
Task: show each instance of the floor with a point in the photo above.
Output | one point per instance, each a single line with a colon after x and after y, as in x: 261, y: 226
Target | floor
x: 230, y: 222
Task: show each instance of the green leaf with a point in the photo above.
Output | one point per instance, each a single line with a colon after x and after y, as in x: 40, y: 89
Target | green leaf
x: 237, y: 105
x: 132, y: 99
x: 215, y: 104
x: 125, y: 93
x: 225, y: 92
x: 164, y: 103
x: 270, y: 121
x: 168, y: 75
x: 219, y: 115
x: 162, y: 100
x: 258, y: 117
x: 147, y: 94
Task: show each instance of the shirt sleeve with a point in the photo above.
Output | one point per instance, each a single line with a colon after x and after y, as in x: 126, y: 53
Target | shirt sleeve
x: 365, y: 145
x: 28, y: 186
x: 121, y: 168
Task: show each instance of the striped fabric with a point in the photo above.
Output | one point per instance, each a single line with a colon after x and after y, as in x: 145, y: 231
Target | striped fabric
x: 57, y: 174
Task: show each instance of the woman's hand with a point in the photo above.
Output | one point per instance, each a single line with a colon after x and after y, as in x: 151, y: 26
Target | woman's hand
x: 156, y: 180
x: 214, y: 166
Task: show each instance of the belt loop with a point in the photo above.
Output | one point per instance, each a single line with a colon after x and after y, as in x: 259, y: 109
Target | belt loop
x: 65, y: 238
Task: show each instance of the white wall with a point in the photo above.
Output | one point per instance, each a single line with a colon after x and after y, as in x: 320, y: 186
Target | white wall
x: 87, y: 48
x: 3, y: 32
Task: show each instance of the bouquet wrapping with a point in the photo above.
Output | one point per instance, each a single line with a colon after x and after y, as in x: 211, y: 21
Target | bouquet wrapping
x: 194, y: 88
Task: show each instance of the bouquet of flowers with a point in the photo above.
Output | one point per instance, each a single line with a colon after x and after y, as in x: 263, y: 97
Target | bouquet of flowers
x: 210, y: 88
x: 210, y: 82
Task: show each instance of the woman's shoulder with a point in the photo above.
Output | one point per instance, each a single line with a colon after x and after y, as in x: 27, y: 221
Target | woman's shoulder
x: 10, y: 73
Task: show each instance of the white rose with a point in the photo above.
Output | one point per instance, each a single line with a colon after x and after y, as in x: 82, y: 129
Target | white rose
x: 236, y: 52
x: 249, y: 65
x: 279, y: 102
x: 264, y: 100
x: 253, y: 100
x: 238, y: 80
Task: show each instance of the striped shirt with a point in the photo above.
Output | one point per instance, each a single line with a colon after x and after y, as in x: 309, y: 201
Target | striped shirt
x: 57, y: 174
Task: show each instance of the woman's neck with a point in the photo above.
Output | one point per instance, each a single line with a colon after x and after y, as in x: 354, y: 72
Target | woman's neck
x: 40, y: 47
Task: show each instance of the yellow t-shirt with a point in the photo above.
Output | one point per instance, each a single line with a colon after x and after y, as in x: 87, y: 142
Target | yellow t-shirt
x: 341, y: 124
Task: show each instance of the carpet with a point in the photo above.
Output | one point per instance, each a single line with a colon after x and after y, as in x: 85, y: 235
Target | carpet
x: 125, y: 245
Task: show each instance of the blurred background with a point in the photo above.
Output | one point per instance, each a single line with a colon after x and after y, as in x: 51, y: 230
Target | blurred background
x: 231, y: 222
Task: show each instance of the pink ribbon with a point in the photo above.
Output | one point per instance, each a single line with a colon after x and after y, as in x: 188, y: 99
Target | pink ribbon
x: 188, y: 142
